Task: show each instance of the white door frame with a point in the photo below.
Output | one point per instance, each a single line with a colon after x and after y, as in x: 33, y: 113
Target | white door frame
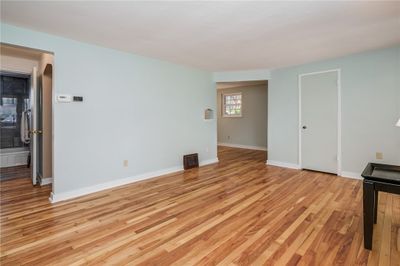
x: 34, y: 126
x: 339, y: 116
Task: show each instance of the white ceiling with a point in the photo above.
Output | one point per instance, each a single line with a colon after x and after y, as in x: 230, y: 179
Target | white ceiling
x: 218, y: 36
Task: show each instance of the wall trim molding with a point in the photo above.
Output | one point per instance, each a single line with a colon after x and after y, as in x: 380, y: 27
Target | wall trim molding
x: 259, y: 148
x: 283, y: 164
x: 261, y: 85
x: 345, y: 174
x: 210, y: 161
x: 57, y: 197
x: 352, y: 175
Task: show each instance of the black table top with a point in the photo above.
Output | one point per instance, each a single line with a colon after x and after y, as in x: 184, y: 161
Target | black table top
x: 382, y: 173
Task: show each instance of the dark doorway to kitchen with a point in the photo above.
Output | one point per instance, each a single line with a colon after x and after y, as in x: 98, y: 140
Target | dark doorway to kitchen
x: 14, y: 100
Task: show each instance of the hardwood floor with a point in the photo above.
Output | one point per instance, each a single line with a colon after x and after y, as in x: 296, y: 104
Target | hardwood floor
x: 13, y: 172
x: 238, y: 211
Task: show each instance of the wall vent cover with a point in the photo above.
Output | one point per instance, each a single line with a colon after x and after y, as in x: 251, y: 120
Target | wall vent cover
x: 190, y: 161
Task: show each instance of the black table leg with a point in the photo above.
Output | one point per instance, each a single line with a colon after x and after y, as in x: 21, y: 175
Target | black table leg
x: 368, y: 213
x: 376, y: 206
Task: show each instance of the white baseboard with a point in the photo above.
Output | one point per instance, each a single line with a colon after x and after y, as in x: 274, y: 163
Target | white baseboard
x: 346, y: 174
x: 46, y: 181
x: 283, y: 164
x: 57, y: 197
x: 210, y: 161
x: 353, y: 175
x: 259, y: 148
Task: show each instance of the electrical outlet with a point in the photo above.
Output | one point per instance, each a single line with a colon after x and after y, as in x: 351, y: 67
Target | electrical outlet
x: 125, y: 163
x: 379, y: 155
x: 229, y: 137
x: 207, y: 149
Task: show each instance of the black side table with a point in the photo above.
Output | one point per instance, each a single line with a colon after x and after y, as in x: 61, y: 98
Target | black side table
x: 377, y: 177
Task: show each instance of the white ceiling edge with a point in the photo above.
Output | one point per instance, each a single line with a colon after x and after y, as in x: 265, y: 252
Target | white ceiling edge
x: 243, y: 75
x: 265, y: 74
x: 221, y: 37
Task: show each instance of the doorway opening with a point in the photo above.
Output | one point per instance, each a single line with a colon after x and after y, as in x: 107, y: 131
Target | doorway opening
x: 26, y: 93
x: 242, y: 119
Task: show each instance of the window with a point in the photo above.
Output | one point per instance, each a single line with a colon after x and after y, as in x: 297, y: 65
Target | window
x: 8, y: 112
x: 232, y: 105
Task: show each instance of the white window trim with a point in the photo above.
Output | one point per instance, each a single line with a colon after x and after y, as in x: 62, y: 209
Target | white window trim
x: 223, y: 104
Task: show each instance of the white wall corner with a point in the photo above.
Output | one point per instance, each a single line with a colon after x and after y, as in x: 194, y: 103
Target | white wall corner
x: 259, y: 148
x: 283, y: 164
x: 353, y: 175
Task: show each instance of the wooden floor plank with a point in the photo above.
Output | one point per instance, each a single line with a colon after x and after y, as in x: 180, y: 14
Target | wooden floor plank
x: 238, y: 211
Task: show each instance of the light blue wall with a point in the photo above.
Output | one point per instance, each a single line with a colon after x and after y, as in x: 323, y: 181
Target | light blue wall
x: 370, y: 108
x: 136, y: 108
x: 243, y: 75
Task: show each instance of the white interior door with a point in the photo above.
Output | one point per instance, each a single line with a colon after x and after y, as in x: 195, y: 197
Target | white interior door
x: 34, y: 125
x: 319, y: 121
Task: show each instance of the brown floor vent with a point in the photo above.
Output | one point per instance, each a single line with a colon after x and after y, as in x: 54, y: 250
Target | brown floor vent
x: 190, y: 161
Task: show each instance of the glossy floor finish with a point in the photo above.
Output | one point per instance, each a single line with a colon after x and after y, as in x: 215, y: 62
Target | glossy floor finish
x: 13, y: 172
x: 238, y: 211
